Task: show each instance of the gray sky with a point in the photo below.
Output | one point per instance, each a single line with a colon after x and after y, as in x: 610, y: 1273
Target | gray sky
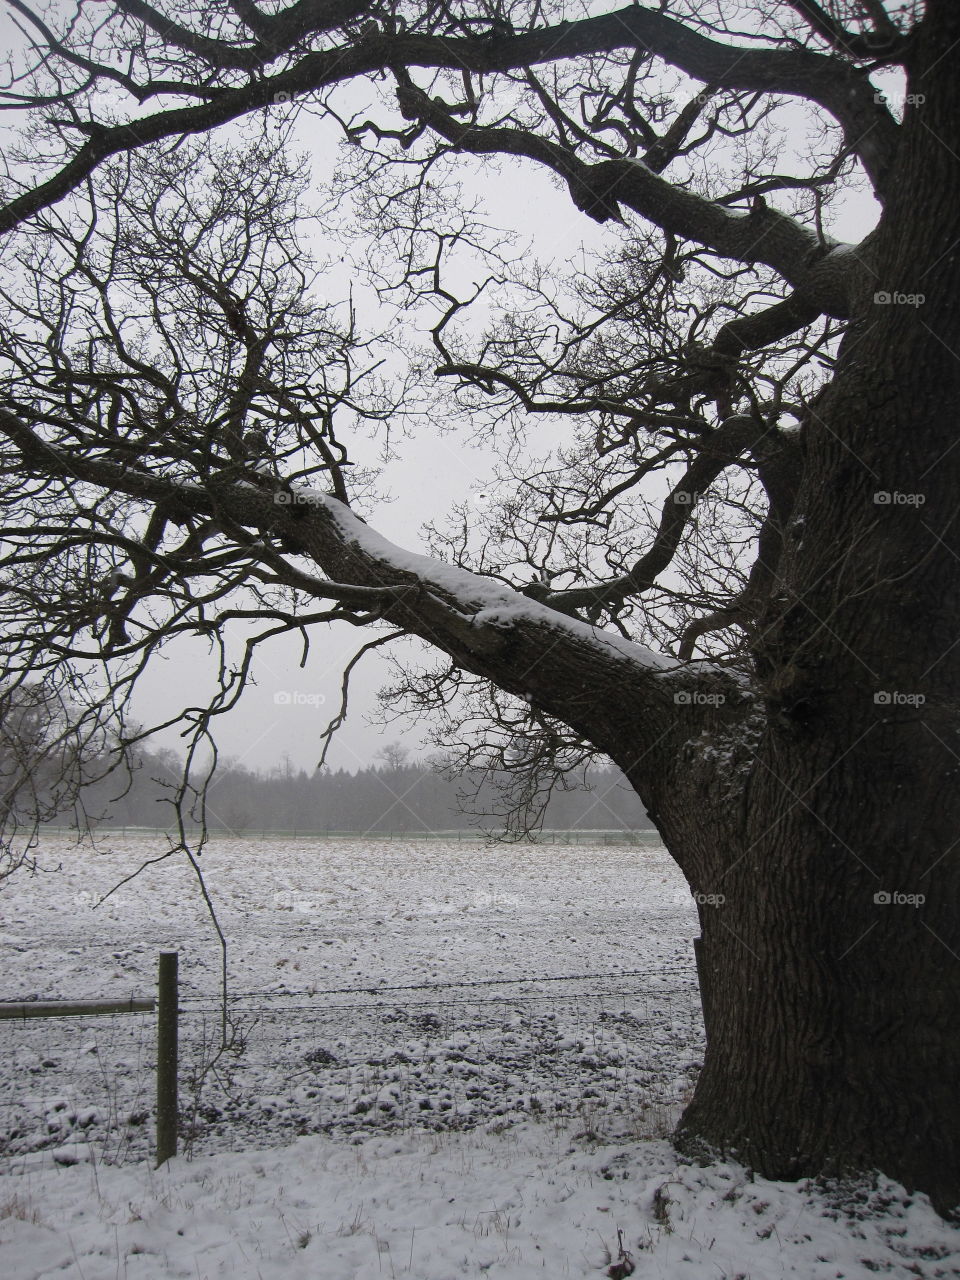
x: 433, y: 471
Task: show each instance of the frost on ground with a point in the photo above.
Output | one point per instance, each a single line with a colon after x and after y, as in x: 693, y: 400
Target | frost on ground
x: 483, y: 1045
x: 377, y: 985
x: 535, y: 1200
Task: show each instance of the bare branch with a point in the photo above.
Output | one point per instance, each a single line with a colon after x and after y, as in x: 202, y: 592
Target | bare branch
x: 869, y: 128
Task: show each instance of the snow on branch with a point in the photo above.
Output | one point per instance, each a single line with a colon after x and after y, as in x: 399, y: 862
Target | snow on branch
x: 481, y: 602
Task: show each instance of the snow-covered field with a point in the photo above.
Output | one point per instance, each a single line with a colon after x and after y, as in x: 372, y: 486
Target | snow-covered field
x: 484, y: 1045
x: 375, y: 985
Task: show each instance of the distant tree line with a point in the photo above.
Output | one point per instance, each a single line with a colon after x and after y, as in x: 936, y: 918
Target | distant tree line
x: 393, y: 795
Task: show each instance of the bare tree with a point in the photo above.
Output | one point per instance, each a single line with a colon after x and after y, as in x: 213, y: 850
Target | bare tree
x: 769, y: 652
x: 52, y: 747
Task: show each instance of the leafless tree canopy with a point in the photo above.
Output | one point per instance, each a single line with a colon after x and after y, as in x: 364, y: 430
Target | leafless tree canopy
x: 174, y: 369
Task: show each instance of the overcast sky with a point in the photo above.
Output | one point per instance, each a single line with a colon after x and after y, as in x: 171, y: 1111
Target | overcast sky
x: 288, y: 710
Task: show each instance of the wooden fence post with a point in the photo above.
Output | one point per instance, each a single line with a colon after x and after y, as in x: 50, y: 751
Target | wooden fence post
x: 167, y: 1011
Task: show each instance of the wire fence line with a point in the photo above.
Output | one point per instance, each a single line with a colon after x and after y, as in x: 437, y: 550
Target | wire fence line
x: 617, y: 1051
x: 643, y: 837
x: 77, y: 1085
x: 379, y: 989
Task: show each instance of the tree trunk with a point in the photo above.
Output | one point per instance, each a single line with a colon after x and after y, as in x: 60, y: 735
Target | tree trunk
x: 831, y: 968
x: 829, y: 972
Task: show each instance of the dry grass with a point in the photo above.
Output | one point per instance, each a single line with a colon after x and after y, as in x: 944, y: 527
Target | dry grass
x: 19, y: 1207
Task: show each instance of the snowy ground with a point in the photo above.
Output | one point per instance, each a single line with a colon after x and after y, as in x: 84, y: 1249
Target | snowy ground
x: 377, y: 985
x: 484, y: 1046
x: 533, y: 1201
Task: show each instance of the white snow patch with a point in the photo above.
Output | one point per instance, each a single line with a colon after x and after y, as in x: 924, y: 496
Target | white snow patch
x: 532, y: 1203
x: 390, y: 921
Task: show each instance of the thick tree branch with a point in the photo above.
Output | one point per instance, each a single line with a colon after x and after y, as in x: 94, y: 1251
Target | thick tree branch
x: 219, y: 53
x: 750, y: 333
x: 885, y: 42
x: 276, y: 32
x: 526, y: 647
x: 823, y: 278
x: 780, y: 467
x: 869, y: 128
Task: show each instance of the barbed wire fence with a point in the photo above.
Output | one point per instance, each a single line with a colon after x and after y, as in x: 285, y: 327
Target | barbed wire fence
x: 615, y: 1052
x: 77, y: 1087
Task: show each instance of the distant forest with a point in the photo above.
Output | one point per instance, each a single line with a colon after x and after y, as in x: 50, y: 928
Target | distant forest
x: 392, y: 796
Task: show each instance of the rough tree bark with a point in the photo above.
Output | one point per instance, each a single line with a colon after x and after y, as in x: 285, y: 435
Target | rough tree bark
x: 819, y: 823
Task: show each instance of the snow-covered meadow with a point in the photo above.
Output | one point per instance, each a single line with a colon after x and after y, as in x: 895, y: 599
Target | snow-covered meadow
x: 372, y: 984
x: 447, y: 1059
